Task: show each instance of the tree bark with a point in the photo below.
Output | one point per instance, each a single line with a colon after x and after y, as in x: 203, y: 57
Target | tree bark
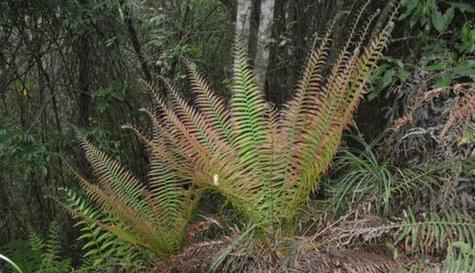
x: 231, y: 6
x: 84, y: 78
x: 134, y: 38
x: 278, y: 77
x: 243, y: 23
x: 264, y: 34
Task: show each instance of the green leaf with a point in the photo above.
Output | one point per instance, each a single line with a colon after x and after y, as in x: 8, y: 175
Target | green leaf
x: 441, y: 22
x: 378, y: 72
x: 411, y: 4
x: 438, y: 21
x: 467, y: 35
x: 403, y: 74
x: 464, y: 7
x: 466, y: 70
x: 413, y: 21
x: 435, y: 67
x: 464, y: 247
x: 449, y: 16
x: 443, y: 82
x: 388, y: 78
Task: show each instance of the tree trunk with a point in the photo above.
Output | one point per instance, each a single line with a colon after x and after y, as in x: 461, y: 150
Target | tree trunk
x: 277, y: 79
x: 84, y: 78
x: 134, y: 38
x: 264, y: 34
x: 243, y: 23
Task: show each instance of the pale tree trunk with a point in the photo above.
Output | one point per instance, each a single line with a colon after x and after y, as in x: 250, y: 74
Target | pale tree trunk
x: 243, y: 23
x: 264, y: 34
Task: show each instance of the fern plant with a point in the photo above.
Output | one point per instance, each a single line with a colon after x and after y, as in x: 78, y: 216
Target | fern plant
x: 102, y: 249
x: 153, y: 218
x: 21, y: 253
x: 50, y: 252
x: 40, y: 255
x: 266, y: 162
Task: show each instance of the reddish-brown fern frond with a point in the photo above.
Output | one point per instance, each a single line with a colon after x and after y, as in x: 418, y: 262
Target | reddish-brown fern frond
x: 211, y: 106
x: 419, y: 102
x: 154, y: 217
x: 463, y: 110
x: 460, y: 113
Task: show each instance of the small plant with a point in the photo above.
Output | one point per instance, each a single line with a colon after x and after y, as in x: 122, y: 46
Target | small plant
x: 102, y: 248
x: 446, y: 233
x: 468, y: 135
x: 38, y: 254
x: 363, y: 177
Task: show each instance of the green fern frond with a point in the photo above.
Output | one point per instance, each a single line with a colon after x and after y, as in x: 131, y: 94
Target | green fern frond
x: 40, y: 254
x: 154, y: 218
x: 111, y: 175
x: 117, y: 209
x: 211, y: 106
x: 51, y: 260
x: 339, y: 97
x: 101, y: 247
x: 460, y: 258
x: 436, y: 232
x: 36, y: 243
x: 469, y: 135
x: 168, y: 197
x: 247, y: 114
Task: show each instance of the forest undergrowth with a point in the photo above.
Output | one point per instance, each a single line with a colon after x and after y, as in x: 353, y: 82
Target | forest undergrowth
x: 367, y: 165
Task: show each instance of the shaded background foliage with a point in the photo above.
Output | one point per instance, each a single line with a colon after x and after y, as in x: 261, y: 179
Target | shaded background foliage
x: 88, y: 63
